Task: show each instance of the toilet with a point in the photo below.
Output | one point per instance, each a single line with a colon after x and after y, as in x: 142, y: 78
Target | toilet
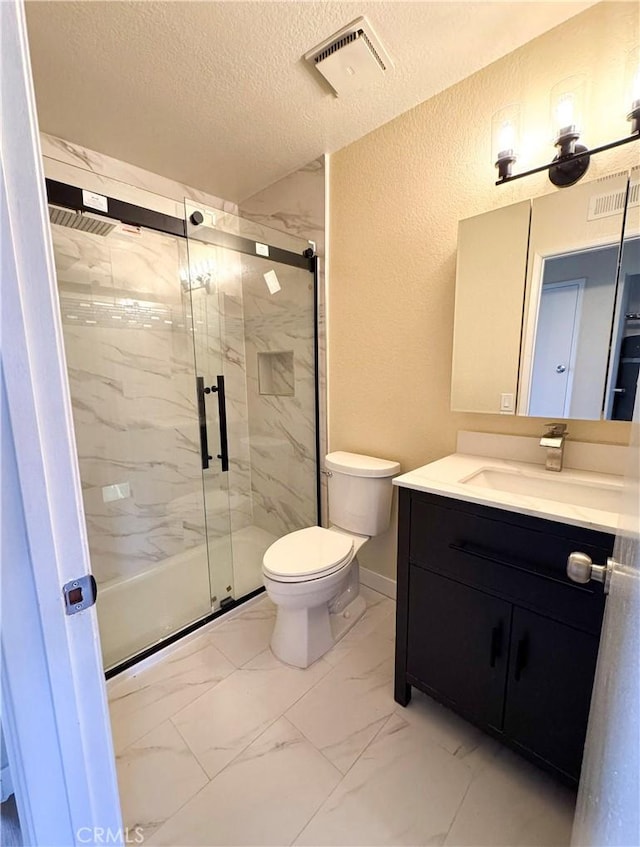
x: 312, y: 575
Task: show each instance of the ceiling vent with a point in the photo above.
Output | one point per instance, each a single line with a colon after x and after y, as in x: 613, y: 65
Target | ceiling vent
x: 351, y: 59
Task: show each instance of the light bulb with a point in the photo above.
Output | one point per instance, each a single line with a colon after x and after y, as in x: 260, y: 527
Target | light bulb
x: 632, y: 89
x: 505, y: 129
x: 635, y: 88
x: 565, y: 111
x: 632, y: 79
x: 506, y: 136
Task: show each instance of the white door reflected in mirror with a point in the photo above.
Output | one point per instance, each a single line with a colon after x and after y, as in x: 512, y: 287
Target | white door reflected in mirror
x: 556, y: 344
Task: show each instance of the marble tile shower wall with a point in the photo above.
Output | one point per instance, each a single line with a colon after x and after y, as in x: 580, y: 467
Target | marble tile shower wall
x: 129, y: 348
x: 281, y: 420
x: 296, y: 205
x: 71, y: 163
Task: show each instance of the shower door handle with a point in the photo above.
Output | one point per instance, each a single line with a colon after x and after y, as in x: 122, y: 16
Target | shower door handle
x: 202, y: 422
x: 218, y: 389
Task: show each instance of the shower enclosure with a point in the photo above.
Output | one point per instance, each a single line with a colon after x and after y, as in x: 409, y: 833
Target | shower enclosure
x: 192, y: 358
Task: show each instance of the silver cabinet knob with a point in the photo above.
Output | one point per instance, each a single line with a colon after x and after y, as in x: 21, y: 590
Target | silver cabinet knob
x: 581, y: 569
x: 560, y: 369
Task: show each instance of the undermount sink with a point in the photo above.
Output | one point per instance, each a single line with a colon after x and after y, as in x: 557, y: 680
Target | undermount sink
x: 558, y: 487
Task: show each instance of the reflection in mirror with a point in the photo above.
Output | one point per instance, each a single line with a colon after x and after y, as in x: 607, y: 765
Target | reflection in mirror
x: 572, y: 335
x: 625, y: 347
x: 571, y: 299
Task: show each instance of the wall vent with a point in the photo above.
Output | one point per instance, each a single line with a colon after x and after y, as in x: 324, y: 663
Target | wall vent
x: 612, y: 203
x: 350, y: 59
x: 605, y: 205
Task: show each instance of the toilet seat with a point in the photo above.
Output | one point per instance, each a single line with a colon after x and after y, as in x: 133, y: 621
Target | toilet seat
x: 307, y: 554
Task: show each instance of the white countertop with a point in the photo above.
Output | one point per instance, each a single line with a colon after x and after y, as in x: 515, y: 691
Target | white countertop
x: 446, y: 477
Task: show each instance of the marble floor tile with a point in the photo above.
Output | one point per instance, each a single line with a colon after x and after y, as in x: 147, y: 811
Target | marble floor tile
x: 264, y: 797
x: 511, y: 803
x: 146, y: 699
x: 342, y: 714
x: 322, y: 756
x: 220, y: 724
x: 243, y: 637
x: 443, y: 727
x: 156, y: 776
x: 402, y: 790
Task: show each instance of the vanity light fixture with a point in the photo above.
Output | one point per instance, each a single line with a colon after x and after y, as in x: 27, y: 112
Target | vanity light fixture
x: 505, y: 132
x: 567, y: 104
x: 632, y: 88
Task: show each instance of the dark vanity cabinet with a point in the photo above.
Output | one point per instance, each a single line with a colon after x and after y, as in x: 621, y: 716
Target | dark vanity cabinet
x: 489, y: 624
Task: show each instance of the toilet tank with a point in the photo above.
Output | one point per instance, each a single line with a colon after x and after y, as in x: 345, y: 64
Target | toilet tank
x: 360, y: 492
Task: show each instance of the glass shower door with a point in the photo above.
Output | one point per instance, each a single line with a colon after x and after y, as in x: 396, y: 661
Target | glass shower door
x: 129, y: 340
x: 254, y: 319
x: 201, y: 280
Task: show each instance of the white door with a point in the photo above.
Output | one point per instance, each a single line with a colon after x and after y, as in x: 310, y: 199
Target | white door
x: 608, y: 810
x: 555, y: 349
x: 54, y: 710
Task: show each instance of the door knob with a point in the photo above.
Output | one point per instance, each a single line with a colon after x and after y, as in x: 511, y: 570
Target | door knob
x: 581, y: 569
x: 560, y: 369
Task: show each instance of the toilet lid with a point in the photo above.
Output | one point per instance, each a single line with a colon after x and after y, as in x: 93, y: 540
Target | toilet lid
x: 308, y: 553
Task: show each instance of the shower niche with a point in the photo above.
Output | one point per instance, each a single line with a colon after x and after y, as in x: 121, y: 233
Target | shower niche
x: 276, y: 373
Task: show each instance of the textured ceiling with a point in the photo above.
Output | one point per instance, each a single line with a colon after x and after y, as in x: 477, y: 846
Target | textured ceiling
x: 216, y: 94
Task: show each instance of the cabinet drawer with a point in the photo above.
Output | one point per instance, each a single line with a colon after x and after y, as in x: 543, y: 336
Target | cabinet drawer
x: 522, y: 559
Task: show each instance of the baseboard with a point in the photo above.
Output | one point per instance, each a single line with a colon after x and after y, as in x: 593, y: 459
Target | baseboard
x: 377, y: 582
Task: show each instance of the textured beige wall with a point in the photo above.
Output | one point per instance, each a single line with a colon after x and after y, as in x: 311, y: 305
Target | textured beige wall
x: 396, y: 197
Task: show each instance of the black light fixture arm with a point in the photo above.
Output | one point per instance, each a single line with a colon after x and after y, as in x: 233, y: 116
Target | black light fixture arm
x: 567, y: 159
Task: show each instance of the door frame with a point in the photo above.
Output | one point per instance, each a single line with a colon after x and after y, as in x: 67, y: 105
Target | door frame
x: 60, y: 751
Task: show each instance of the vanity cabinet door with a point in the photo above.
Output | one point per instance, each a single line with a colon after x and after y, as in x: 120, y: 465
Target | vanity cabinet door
x: 551, y: 671
x: 458, y: 645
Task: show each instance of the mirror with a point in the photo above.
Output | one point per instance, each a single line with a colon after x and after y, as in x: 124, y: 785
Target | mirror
x: 570, y: 294
x: 492, y: 263
x: 549, y: 341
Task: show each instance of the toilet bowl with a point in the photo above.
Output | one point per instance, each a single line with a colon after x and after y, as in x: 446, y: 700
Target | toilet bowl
x: 312, y: 574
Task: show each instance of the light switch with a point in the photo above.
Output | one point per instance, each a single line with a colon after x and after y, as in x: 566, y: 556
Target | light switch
x: 506, y: 402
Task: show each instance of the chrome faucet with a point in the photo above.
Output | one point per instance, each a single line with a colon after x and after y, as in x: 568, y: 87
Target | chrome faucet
x: 553, y: 440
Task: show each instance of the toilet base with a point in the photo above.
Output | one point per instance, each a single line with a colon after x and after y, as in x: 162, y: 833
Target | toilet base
x: 320, y: 628
x: 342, y: 622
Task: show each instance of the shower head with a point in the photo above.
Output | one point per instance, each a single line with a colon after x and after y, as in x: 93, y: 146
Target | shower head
x: 84, y: 221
